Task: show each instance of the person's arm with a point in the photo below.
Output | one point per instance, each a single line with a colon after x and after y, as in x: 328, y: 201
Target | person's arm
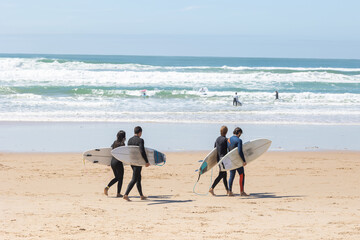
x: 241, y: 151
x: 142, y: 150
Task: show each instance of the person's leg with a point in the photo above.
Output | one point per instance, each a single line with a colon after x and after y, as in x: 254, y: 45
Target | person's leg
x: 242, y: 181
x: 114, y: 180
x: 138, y: 183
x: 216, y: 181
x: 131, y: 183
x: 231, y: 181
x: 224, y: 177
x: 120, y: 176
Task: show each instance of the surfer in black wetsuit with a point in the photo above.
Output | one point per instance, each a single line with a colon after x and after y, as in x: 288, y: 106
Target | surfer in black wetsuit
x: 222, y: 149
x: 236, y: 100
x: 116, y: 165
x: 276, y: 95
x: 136, y: 178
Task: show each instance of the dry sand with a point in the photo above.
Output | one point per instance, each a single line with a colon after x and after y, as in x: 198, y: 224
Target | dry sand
x: 294, y: 195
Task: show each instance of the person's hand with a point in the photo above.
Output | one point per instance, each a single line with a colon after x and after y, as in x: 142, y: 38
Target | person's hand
x: 147, y: 164
x: 244, y: 164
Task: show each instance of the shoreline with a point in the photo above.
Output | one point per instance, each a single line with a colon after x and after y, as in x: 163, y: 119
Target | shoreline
x: 170, y: 137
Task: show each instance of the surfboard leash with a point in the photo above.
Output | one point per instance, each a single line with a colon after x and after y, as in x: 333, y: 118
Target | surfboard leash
x: 203, y: 194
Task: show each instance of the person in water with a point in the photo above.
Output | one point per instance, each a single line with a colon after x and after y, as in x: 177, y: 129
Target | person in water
x: 276, y: 95
x: 116, y: 165
x: 236, y: 100
x: 234, y: 142
x: 136, y: 140
x: 221, y: 146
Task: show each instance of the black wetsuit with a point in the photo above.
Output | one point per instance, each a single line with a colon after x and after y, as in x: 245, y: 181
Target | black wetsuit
x: 118, y: 169
x: 136, y: 178
x: 221, y: 146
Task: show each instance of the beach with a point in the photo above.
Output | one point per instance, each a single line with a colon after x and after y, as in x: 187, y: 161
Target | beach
x: 293, y: 195
x: 79, y: 80
x: 54, y: 107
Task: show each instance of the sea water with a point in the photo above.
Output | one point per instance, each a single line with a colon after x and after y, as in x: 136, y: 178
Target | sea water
x: 86, y: 88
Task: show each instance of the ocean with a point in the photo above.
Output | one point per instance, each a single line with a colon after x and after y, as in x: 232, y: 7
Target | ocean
x: 94, y: 88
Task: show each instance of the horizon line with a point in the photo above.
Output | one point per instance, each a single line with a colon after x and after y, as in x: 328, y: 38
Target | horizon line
x: 184, y: 56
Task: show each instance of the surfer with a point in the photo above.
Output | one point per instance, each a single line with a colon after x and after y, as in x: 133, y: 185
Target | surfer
x: 116, y: 165
x: 234, y: 142
x: 203, y: 91
x: 236, y: 100
x: 143, y: 93
x: 221, y: 146
x: 136, y: 140
x: 276, y: 95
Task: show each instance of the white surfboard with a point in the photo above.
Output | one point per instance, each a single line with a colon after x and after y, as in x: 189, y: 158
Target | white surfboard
x: 100, y: 155
x: 132, y: 156
x: 252, y: 150
x: 209, y: 162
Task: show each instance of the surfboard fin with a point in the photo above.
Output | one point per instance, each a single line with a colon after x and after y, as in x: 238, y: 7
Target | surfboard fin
x: 199, y: 177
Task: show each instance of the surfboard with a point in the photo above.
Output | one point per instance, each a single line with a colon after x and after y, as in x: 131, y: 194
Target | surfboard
x: 131, y: 155
x: 251, y: 149
x: 209, y: 161
x: 100, y: 156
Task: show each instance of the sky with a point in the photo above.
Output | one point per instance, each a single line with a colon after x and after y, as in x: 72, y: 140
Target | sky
x: 229, y: 28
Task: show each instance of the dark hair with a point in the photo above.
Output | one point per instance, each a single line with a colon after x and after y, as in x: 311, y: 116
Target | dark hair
x: 137, y: 130
x: 237, y: 130
x: 120, y: 136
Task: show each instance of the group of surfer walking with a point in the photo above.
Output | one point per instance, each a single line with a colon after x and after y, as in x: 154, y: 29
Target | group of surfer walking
x: 118, y: 167
x: 222, y: 144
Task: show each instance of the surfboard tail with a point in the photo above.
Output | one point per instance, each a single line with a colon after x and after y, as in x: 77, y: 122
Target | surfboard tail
x: 198, y: 177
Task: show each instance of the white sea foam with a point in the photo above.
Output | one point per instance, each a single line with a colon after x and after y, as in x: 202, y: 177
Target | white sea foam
x: 25, y: 72
x: 39, y: 90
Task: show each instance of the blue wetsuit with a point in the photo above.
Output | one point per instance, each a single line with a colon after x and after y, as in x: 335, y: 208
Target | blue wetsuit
x: 234, y: 142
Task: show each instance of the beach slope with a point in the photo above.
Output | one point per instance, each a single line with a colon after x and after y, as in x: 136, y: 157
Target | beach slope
x: 294, y: 195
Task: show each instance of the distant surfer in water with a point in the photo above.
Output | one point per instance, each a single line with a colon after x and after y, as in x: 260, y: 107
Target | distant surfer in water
x: 136, y: 140
x: 143, y: 93
x: 221, y: 146
x: 203, y: 91
x: 236, y: 100
x: 234, y: 142
x: 116, y: 165
x: 276, y: 95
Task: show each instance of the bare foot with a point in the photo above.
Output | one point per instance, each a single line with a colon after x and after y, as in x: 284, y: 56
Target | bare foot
x: 244, y: 194
x: 126, y: 198
x: 143, y: 197
x: 212, y: 191
x: 230, y: 193
x: 119, y: 195
x: 106, y: 190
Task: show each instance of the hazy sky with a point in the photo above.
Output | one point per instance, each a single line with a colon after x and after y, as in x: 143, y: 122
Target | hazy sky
x: 256, y: 28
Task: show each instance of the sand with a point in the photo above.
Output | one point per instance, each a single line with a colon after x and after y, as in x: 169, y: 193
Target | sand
x: 294, y: 195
